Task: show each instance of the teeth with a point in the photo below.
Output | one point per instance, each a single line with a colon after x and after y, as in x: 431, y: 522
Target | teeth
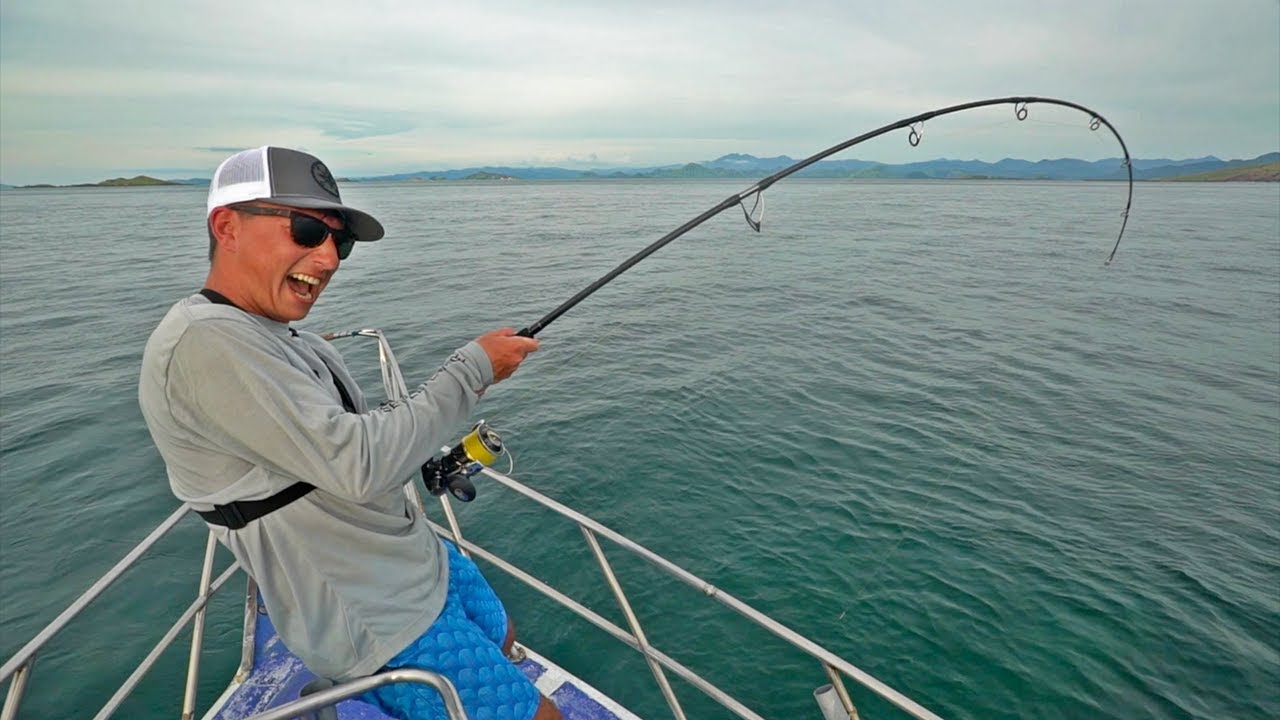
x: 305, y: 278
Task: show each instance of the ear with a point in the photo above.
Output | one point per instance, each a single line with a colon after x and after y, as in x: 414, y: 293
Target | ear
x: 225, y: 225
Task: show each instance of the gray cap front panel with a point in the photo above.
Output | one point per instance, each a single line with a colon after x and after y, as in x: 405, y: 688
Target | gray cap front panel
x: 297, y: 173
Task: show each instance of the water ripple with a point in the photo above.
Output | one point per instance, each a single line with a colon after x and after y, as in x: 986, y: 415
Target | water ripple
x: 935, y: 434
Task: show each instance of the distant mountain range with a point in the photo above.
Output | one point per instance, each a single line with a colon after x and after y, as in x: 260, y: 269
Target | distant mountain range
x: 737, y: 165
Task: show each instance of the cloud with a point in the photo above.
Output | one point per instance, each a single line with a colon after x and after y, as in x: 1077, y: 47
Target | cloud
x: 434, y: 84
x: 353, y: 128
x: 220, y: 150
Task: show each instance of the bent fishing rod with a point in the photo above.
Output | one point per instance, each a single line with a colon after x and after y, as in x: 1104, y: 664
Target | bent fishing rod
x: 480, y: 447
x: 916, y: 125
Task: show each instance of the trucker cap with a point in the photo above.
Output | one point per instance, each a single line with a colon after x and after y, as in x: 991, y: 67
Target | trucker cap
x: 285, y: 177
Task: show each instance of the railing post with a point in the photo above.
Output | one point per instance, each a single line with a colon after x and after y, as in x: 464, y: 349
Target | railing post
x: 197, y: 630
x: 17, y: 687
x: 454, y: 527
x: 396, y: 389
x: 842, y: 693
x: 166, y: 640
x: 634, y: 622
x: 248, y: 636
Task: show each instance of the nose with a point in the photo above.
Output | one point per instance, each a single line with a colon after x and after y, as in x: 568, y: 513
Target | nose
x: 326, y: 254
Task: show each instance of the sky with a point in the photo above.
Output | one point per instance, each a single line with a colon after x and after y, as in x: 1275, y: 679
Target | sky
x: 96, y: 89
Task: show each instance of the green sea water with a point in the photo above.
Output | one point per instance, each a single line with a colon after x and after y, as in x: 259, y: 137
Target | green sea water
x: 918, y: 422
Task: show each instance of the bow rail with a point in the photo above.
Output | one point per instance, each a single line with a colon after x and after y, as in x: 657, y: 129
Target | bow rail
x: 832, y: 697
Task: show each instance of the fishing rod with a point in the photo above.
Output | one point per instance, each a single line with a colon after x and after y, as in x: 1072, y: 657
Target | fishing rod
x: 915, y: 123
x: 482, y: 445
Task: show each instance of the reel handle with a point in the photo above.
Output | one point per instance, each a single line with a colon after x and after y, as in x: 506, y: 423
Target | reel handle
x: 462, y: 488
x: 452, y: 471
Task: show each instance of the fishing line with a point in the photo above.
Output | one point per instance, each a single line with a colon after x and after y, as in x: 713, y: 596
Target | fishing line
x: 868, y: 585
x: 916, y: 125
x: 511, y: 456
x: 754, y: 217
x: 595, y: 339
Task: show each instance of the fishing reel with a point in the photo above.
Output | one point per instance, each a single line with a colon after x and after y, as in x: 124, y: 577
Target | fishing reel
x: 452, y: 471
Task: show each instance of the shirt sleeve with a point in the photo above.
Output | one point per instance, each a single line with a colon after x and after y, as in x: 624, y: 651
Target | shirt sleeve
x: 240, y: 391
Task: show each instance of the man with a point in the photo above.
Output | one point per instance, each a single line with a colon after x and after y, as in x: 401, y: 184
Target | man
x: 266, y: 434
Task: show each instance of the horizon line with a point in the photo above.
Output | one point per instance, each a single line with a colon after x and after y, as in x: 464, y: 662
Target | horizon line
x: 351, y: 177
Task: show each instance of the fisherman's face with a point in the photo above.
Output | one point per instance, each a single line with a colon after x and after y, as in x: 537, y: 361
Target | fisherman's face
x: 282, y: 279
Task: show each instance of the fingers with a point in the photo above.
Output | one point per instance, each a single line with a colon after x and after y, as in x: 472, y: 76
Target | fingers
x: 514, y: 343
x: 506, y: 350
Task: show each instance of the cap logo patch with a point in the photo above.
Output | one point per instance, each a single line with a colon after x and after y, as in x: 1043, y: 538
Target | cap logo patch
x: 324, y: 178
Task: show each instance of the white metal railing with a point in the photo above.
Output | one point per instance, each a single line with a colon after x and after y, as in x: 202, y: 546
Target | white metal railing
x: 835, y: 667
x: 833, y: 698
x: 21, y: 665
x: 333, y: 695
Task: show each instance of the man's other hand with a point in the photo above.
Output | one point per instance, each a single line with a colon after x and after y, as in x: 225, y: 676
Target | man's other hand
x: 506, y: 351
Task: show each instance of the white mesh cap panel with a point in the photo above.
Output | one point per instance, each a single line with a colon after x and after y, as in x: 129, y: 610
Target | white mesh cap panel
x: 240, y: 178
x: 240, y: 168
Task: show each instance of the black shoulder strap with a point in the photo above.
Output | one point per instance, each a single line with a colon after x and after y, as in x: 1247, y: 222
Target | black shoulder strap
x: 242, y: 512
x: 347, y: 402
x: 238, y: 514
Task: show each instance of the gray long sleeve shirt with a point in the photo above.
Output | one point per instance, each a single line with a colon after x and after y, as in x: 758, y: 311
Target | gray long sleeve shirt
x: 241, y: 408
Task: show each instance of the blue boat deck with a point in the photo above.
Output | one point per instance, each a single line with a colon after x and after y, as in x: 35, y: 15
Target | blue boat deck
x: 278, y: 677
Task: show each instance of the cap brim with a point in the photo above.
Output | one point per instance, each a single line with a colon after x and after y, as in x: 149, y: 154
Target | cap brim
x: 365, y: 227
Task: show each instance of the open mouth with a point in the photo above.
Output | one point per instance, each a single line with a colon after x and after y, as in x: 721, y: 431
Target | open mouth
x: 302, y: 285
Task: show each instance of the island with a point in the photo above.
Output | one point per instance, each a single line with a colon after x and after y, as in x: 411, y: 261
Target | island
x: 1267, y: 172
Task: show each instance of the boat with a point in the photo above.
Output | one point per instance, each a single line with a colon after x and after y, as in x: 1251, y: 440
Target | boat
x: 272, y: 684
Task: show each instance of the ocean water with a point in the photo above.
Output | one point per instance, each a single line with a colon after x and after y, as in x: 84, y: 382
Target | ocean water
x: 920, y: 423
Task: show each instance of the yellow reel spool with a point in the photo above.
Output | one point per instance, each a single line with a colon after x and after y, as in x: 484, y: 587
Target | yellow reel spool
x: 482, y: 445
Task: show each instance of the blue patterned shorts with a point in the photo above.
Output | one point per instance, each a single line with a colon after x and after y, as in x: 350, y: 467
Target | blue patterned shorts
x: 465, y: 645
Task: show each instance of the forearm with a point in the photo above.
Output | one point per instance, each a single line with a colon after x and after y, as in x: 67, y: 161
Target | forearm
x: 248, y: 398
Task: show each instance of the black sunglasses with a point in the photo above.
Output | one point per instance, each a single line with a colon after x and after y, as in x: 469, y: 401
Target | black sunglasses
x: 308, y: 231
